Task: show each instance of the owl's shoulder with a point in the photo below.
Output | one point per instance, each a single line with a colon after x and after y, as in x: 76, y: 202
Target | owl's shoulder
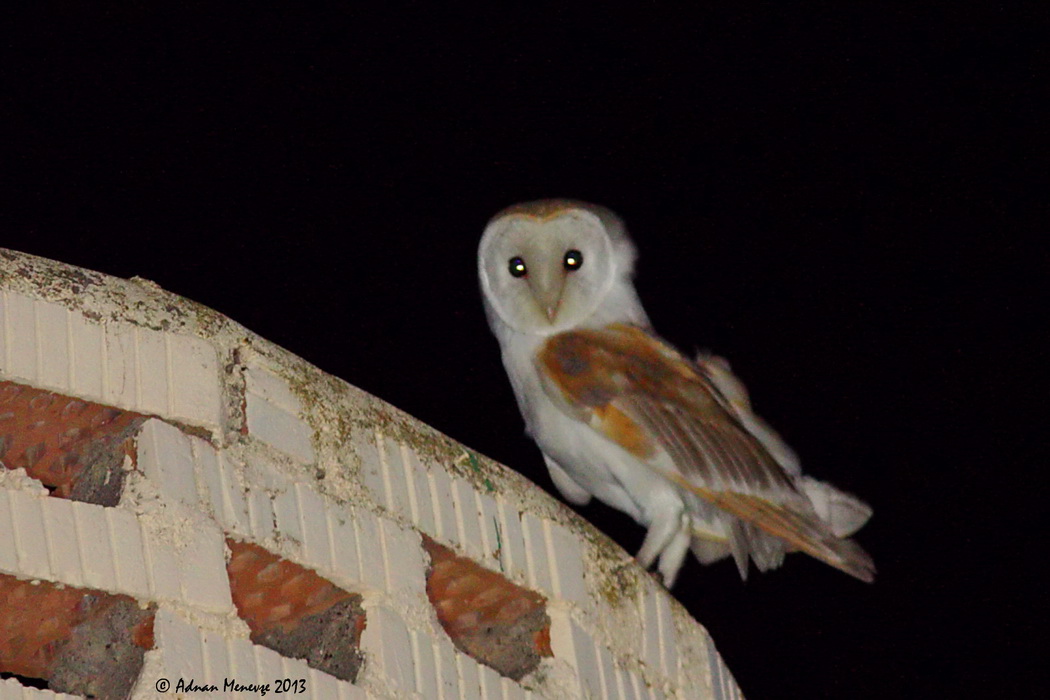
x: 612, y: 359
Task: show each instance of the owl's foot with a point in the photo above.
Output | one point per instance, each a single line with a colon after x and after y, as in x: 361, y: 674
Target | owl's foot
x: 668, y: 538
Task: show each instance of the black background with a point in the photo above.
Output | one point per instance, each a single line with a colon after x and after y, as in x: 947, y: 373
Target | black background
x: 841, y: 201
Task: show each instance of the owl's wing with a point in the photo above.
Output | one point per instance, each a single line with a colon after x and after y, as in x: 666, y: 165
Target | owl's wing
x: 645, y: 396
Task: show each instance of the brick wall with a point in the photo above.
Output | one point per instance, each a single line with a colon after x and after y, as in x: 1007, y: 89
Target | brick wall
x: 182, y: 500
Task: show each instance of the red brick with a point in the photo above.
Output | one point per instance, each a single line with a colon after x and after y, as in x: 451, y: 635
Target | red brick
x: 488, y: 617
x: 296, y: 612
x: 74, y: 447
x: 79, y: 640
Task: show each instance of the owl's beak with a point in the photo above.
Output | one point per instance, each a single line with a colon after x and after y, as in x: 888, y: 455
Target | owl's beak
x: 547, y: 290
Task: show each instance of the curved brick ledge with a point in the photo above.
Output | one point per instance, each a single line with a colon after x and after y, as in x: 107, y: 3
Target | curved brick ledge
x: 224, y: 510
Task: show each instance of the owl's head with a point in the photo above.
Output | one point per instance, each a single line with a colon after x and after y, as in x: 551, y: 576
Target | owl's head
x: 555, y: 264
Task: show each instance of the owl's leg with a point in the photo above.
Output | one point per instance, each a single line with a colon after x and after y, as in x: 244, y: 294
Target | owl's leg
x: 667, y: 521
x: 573, y: 492
x: 674, y: 553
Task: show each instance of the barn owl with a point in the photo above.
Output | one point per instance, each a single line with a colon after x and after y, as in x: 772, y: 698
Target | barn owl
x: 621, y: 415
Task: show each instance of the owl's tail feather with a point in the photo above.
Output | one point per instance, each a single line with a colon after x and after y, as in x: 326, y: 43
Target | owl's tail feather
x: 803, y: 532
x: 844, y: 513
x: 806, y: 532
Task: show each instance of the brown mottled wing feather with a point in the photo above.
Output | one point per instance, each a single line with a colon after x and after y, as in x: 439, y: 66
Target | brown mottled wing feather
x: 645, y: 396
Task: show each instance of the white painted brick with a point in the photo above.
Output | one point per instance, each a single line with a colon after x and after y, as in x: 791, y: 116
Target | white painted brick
x: 269, y: 662
x: 242, y: 661
x: 88, y: 341
x: 319, y: 685
x: 262, y: 474
x: 566, y: 556
x: 195, y: 385
x: 650, y: 638
x: 575, y: 645
x: 668, y: 639
x: 192, y: 572
x: 587, y: 669
x: 369, y: 548
x: 638, y: 688
x: 512, y: 540
x: 386, y: 639
x: 491, y: 535
x: 218, y: 480
x: 371, y: 465
x: 723, y: 685
x: 491, y: 684
x: 292, y: 668
x: 210, y: 486
x: 448, y: 671
x: 11, y: 689
x: 53, y: 339
x: 469, y: 677
x: 119, y: 386
x: 349, y: 691
x: 151, y: 368
x: 214, y: 657
x: 447, y: 524
x: 513, y: 690
x: 536, y: 553
x: 343, y: 540
x: 234, y: 499
x: 627, y: 684
x: 20, y: 338
x: 286, y: 510
x: 317, y: 550
x: 425, y: 664
x: 180, y: 645
x: 469, y: 519
x: 279, y: 428
x: 63, y: 549
x: 270, y: 387
x: 260, y: 513
x: 5, y: 333
x: 395, y: 483
x: 405, y: 565
x: 8, y: 544
x: 418, y: 477
x: 29, y: 534
x: 273, y: 415
x: 129, y: 563
x: 166, y: 457
x: 162, y: 569
x: 655, y: 693
x: 610, y: 688
x: 96, y: 545
x: 202, y: 567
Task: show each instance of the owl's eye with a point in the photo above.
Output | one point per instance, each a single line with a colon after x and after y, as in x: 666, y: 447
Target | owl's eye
x: 573, y: 260
x: 517, y: 267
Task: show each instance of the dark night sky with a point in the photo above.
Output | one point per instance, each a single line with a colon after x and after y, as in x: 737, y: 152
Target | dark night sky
x: 841, y: 201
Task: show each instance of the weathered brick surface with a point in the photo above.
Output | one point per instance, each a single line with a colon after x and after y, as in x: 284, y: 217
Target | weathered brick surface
x: 292, y: 610
x: 198, y: 504
x: 78, y: 640
x: 76, y: 448
x: 489, y: 618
